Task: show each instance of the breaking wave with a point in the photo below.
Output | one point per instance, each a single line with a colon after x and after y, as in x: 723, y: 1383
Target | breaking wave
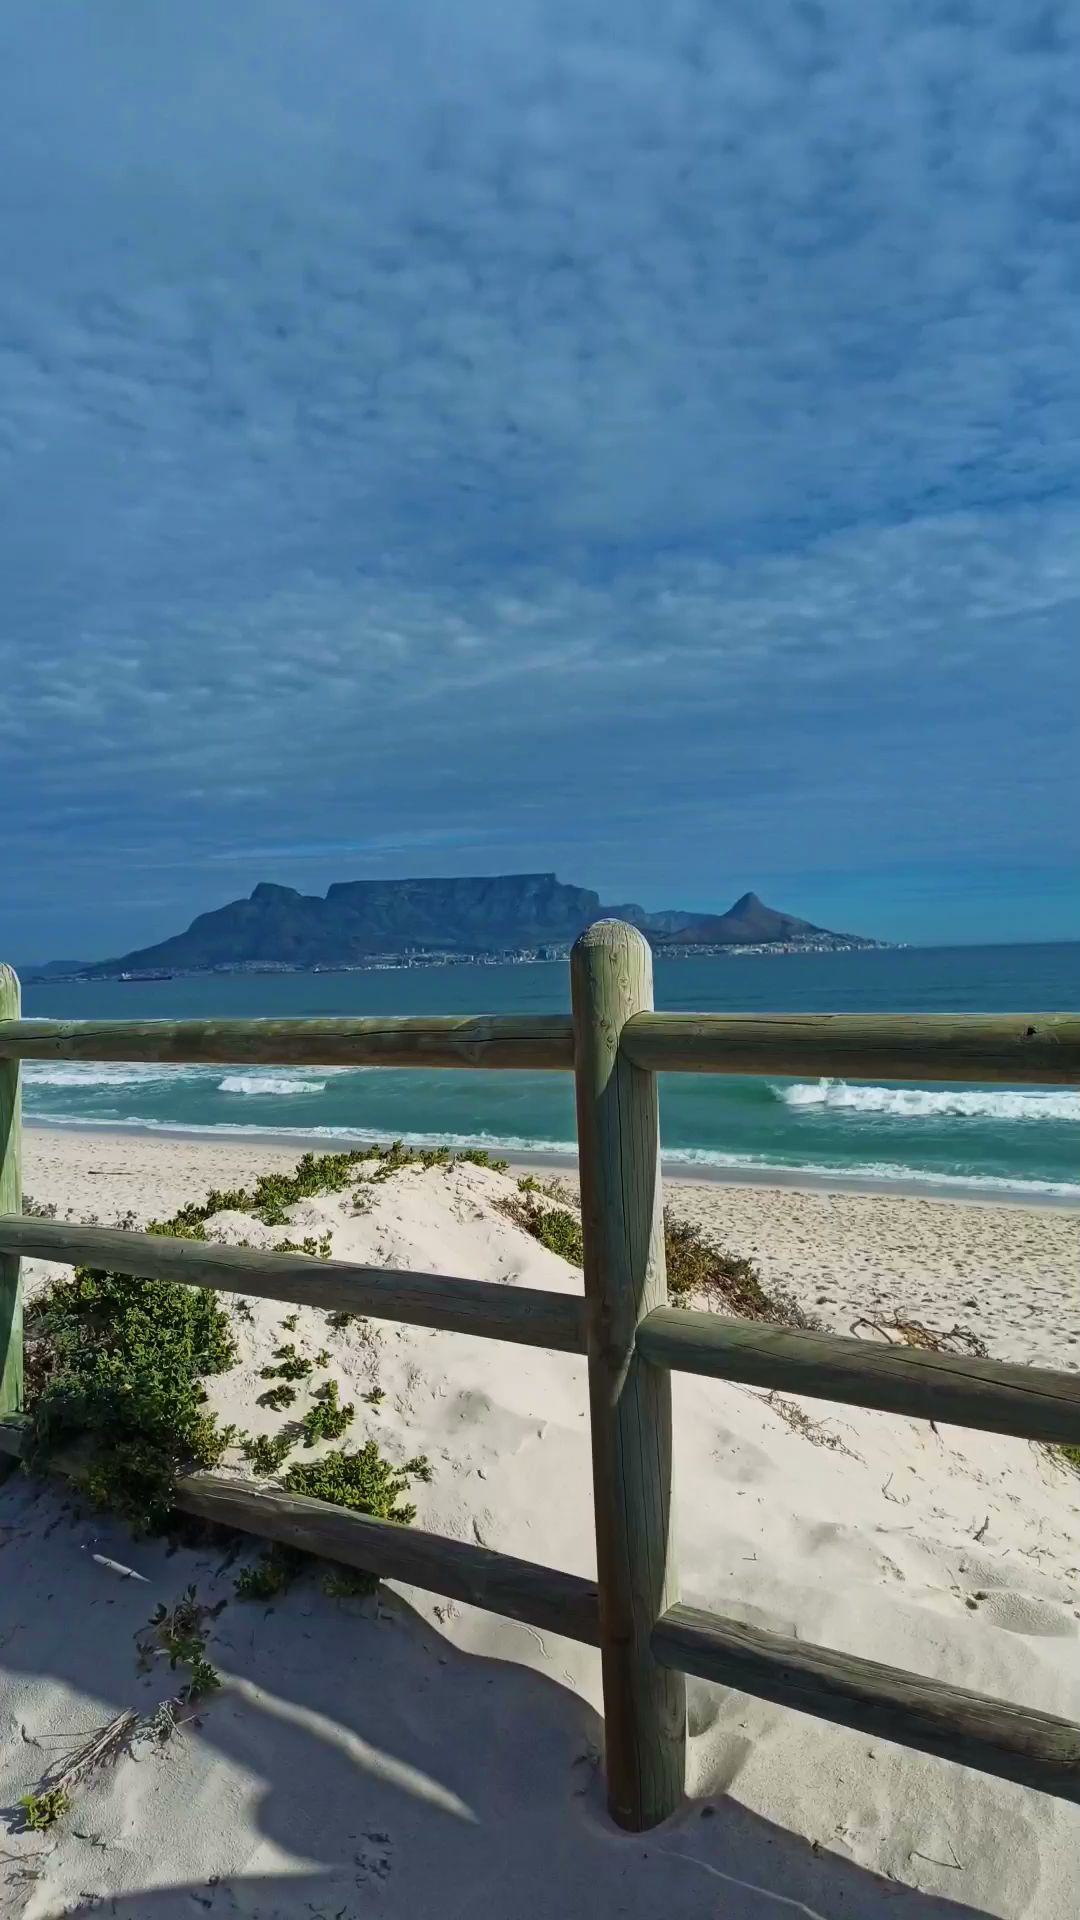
x: 934, y: 1103
x: 268, y: 1084
x: 98, y: 1073
x: 122, y: 1073
x: 757, y: 1169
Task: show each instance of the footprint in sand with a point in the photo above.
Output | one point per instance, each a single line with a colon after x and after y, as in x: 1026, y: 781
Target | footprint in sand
x: 703, y: 1703
x: 1019, y: 1613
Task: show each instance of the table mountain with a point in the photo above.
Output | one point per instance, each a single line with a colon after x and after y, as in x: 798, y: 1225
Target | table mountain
x: 491, y: 913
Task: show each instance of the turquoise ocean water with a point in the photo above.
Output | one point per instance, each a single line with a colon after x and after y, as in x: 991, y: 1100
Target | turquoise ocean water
x: 1023, y: 1140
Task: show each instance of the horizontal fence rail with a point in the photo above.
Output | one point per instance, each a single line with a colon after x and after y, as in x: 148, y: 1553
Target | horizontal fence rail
x: 615, y: 1045
x: 1039, y: 1049
x: 528, y: 1316
x: 1014, y: 1743
x: 1030, y: 1403
x: 522, y: 1590
x: 992, y: 1396
x: 508, y: 1041
x: 1014, y: 1049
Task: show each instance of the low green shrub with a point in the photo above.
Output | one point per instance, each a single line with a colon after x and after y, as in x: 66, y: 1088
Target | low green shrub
x: 290, y: 1365
x: 364, y: 1482
x: 38, y: 1209
x: 182, y: 1632
x: 319, y: 1249
x: 266, y: 1453
x: 177, y: 1229
x: 277, y: 1398
x: 696, y: 1266
x: 327, y: 1419
x: 276, y: 1570
x: 120, y: 1362
x: 348, y: 1583
x: 270, y: 1575
x: 556, y: 1228
x: 42, y: 1810
x: 318, y: 1173
x: 551, y: 1189
x: 179, y: 1634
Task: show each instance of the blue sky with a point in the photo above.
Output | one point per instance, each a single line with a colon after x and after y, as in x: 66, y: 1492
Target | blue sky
x: 638, y: 441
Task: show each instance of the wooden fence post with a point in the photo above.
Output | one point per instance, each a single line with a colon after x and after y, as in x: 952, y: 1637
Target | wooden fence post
x: 11, y: 1338
x: 630, y: 1401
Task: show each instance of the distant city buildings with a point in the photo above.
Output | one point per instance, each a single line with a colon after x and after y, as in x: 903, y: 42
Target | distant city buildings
x: 414, y: 957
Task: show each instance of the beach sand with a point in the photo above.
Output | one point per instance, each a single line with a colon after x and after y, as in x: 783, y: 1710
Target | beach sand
x: 1011, y: 1274
x: 410, y: 1757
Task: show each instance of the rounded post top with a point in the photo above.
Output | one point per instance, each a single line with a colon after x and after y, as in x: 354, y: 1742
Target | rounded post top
x: 9, y: 983
x: 611, y: 973
x: 615, y: 935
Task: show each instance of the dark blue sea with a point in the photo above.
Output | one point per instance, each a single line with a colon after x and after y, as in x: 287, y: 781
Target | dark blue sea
x: 1024, y: 1141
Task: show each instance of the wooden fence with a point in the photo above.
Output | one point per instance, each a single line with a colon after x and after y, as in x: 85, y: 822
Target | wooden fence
x: 615, y: 1045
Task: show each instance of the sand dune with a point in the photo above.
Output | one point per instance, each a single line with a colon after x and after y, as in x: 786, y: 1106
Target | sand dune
x: 411, y: 1757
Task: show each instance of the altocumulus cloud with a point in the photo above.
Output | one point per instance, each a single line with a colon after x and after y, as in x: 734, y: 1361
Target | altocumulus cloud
x: 642, y: 440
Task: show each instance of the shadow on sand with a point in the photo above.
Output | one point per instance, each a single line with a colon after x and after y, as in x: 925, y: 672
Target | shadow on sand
x: 355, y: 1764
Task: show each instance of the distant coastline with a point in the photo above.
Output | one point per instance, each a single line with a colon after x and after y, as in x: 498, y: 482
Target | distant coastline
x: 512, y: 919
x: 407, y: 962
x: 548, y: 1160
x: 918, y: 1138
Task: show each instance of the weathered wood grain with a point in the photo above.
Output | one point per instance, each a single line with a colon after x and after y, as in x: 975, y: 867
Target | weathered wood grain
x: 992, y: 1396
x: 467, y: 1040
x: 11, y: 1336
x: 993, y: 1736
x: 527, y: 1315
x: 518, y: 1589
x: 1038, y: 1049
x: 630, y: 1400
x: 1015, y: 1049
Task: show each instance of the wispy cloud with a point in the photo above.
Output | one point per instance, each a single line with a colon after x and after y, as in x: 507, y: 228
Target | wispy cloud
x: 638, y: 440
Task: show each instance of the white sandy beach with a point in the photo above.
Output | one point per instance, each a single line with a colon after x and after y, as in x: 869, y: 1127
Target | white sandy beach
x: 1009, y: 1273
x: 410, y: 1757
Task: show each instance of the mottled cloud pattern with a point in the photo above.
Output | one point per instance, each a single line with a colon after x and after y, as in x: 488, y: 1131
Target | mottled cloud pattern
x: 641, y: 441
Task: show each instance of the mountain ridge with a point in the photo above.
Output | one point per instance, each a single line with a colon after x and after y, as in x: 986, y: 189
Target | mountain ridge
x: 357, y: 920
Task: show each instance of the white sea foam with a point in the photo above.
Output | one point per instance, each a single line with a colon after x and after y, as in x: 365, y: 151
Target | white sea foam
x: 100, y: 1073
x: 933, y: 1103
x: 262, y: 1084
x: 872, y: 1174
x: 875, y: 1173
x: 90, y: 1074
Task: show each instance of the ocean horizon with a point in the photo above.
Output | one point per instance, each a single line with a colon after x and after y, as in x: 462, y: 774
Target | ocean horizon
x: 957, y: 1139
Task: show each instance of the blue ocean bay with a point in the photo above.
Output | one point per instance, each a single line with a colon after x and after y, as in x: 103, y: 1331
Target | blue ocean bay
x: 1017, y: 1140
